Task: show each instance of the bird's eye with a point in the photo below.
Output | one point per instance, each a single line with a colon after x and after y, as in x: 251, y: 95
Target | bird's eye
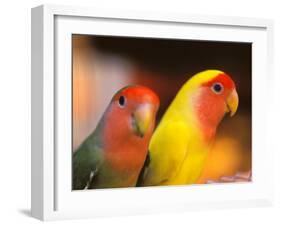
x: 122, y: 101
x: 217, y: 88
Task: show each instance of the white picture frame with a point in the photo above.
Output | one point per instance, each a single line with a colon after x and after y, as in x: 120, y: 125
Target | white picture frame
x: 52, y: 197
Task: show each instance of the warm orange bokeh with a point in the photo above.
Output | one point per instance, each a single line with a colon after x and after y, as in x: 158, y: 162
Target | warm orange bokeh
x: 224, y: 160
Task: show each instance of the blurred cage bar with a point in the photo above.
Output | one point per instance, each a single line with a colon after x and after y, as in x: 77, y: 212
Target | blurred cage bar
x: 102, y: 65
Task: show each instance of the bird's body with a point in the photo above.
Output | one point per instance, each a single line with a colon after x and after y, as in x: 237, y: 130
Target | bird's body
x: 113, y: 155
x: 180, y: 143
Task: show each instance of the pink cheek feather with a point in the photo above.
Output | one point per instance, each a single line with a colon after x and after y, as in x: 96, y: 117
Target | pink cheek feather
x: 210, y: 109
x: 124, y: 150
x: 117, y: 124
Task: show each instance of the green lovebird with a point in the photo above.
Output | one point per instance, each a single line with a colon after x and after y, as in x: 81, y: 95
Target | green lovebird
x: 113, y: 155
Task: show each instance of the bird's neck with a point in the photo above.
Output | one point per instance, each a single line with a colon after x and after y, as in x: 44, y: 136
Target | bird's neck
x: 200, y: 114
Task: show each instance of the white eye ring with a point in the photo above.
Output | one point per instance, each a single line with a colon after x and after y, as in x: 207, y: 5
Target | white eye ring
x: 122, y: 101
x: 217, y: 88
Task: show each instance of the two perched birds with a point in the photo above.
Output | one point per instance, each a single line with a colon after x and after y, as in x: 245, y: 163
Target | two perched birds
x: 125, y: 151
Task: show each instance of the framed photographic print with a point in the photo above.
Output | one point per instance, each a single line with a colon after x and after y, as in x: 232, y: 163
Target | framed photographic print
x: 137, y: 112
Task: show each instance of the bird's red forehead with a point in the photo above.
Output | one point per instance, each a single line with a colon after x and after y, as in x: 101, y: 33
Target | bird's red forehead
x: 222, y: 78
x: 140, y: 94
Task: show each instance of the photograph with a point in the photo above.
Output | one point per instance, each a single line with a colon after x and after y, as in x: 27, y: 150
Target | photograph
x: 160, y: 112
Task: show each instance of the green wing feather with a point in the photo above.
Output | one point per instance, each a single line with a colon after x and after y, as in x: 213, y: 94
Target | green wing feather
x: 86, y: 162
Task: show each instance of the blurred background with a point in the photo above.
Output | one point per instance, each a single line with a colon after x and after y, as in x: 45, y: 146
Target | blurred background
x: 103, y: 64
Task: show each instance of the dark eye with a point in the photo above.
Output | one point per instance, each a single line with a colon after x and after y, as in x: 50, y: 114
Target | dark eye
x: 122, y: 101
x: 217, y: 88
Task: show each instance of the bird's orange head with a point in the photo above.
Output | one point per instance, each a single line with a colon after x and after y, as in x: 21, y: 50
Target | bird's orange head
x: 213, y: 94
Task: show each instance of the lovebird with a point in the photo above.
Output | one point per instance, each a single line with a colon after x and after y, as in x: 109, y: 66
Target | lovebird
x: 181, y: 141
x: 114, y: 153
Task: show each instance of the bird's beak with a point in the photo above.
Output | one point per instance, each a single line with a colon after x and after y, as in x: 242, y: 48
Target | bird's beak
x: 232, y: 102
x: 142, y: 118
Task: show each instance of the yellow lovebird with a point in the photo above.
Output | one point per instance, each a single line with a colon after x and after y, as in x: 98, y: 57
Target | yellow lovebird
x: 180, y: 144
